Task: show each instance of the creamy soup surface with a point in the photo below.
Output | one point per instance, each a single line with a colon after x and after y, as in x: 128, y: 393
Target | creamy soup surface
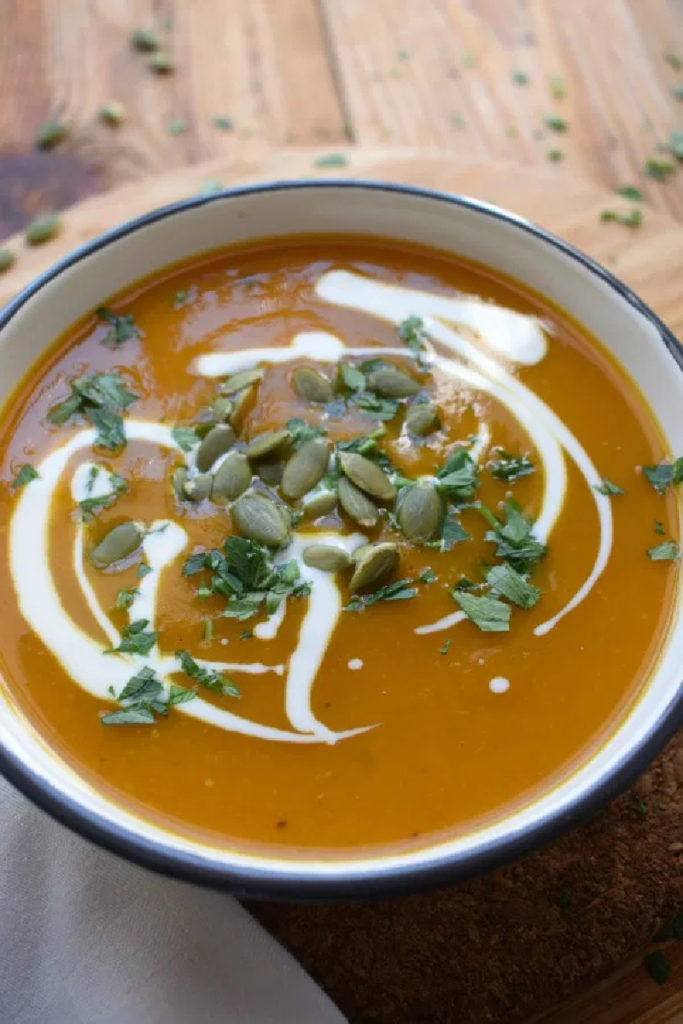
x: 330, y: 543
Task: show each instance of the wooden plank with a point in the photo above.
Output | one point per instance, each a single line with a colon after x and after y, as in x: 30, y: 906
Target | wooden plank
x: 437, y: 73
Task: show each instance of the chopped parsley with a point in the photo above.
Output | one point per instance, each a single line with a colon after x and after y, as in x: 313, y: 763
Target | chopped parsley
x: 555, y: 123
x: 143, y: 569
x: 246, y: 576
x: 90, y: 507
x: 135, y: 639
x: 505, y: 581
x: 629, y: 220
x: 208, y: 677
x: 659, y: 169
x: 399, y: 590
x: 664, y: 474
x: 224, y: 124
x: 451, y: 533
x: 676, y: 144
x: 24, y: 476
x: 510, y: 467
x: 413, y: 332
x: 667, y: 551
x: 331, y: 160
x: 101, y: 398
x: 514, y: 538
x: 488, y: 613
x: 352, y: 377
x: 185, y: 437
x: 458, y: 478
x: 122, y: 328
x: 427, y: 575
x: 630, y: 192
x: 446, y: 646
x: 375, y: 406
x: 608, y: 488
x: 520, y: 77
x: 557, y: 87
x: 125, y: 598
x: 142, y: 697
x: 659, y: 527
x: 301, y: 431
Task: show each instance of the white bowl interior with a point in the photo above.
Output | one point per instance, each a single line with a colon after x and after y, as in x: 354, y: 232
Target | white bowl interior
x: 502, y: 245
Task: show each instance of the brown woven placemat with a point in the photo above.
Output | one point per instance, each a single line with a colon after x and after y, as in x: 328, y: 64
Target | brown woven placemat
x: 512, y: 943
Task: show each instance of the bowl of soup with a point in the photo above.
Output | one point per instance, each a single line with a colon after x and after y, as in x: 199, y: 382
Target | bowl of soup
x: 340, y: 547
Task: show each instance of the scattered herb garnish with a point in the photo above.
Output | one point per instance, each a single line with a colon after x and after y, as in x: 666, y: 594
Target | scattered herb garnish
x: 301, y: 431
x: 657, y: 966
x: 555, y: 123
x: 143, y: 697
x: 42, y: 228
x: 505, y: 581
x: 112, y: 113
x: 247, y: 634
x: 90, y: 507
x: 185, y: 437
x: 674, y: 60
x: 557, y: 87
x: 678, y: 92
x: 427, y: 575
x: 143, y: 40
x: 488, y: 613
x: 143, y: 569
x: 224, y: 124
x: 178, y: 126
x: 514, y: 538
x: 446, y: 646
x: 676, y: 144
x: 659, y: 169
x: 667, y: 551
x: 331, y: 160
x: 659, y: 528
x: 50, y: 134
x: 101, y: 398
x: 664, y: 474
x: 555, y: 155
x: 458, y: 478
x: 24, y: 476
x: 210, y: 187
x: 630, y: 192
x: 7, y: 260
x: 629, y: 220
x: 399, y: 590
x: 510, y: 467
x: 125, y: 598
x: 412, y: 331
x: 135, y: 639
x: 208, y: 677
x: 520, y: 77
x: 207, y: 629
x: 608, y: 488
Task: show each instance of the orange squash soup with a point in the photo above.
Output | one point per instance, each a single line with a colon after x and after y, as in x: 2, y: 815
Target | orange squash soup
x: 330, y: 543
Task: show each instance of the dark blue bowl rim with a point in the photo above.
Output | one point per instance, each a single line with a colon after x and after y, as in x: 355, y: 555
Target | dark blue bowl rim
x: 261, y: 882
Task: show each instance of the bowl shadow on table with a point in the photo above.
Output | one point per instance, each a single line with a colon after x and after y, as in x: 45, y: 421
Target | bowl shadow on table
x: 512, y: 943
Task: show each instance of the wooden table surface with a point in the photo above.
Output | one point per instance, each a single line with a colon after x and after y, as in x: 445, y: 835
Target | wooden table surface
x: 421, y: 73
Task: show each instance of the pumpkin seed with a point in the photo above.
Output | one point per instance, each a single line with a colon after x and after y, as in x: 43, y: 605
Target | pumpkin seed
x: 240, y: 380
x: 50, y: 133
x: 179, y: 480
x: 356, y: 504
x: 312, y: 386
x: 358, y: 553
x: 367, y: 475
x: 112, y: 113
x: 258, y: 518
x: 306, y: 468
x: 326, y: 557
x: 7, y: 259
x: 422, y: 419
x: 374, y: 566
x: 390, y: 382
x: 240, y: 403
x: 221, y: 409
x: 198, y: 488
x: 267, y: 443
x: 232, y: 478
x: 118, y: 543
x: 143, y: 40
x: 420, y: 512
x: 216, y: 443
x: 42, y: 228
x: 320, y: 503
x: 161, y: 63
x: 270, y: 471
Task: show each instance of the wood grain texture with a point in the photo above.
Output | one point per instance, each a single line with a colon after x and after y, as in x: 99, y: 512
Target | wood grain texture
x: 422, y: 73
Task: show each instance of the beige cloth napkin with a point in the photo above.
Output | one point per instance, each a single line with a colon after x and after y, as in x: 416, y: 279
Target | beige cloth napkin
x: 86, y: 938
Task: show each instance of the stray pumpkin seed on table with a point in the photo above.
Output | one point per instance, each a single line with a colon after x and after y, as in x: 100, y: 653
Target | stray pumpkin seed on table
x: 42, y: 228
x: 7, y: 260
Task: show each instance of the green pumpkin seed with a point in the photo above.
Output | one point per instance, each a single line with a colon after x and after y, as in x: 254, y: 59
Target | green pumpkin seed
x: 374, y: 566
x: 257, y: 517
x: 178, y: 480
x: 240, y: 380
x: 198, y: 488
x: 312, y: 386
x: 320, y: 503
x: 50, y: 134
x: 232, y: 478
x: 270, y: 471
x: 240, y: 403
x: 221, y: 409
x: 216, y: 443
x: 367, y: 475
x: 267, y: 443
x: 326, y: 557
x: 7, y: 259
x: 420, y: 512
x: 120, y: 542
x: 422, y: 419
x: 358, y: 553
x: 112, y: 113
x: 161, y: 63
x: 390, y: 382
x: 42, y: 228
x: 306, y: 468
x: 356, y: 504
x: 143, y: 40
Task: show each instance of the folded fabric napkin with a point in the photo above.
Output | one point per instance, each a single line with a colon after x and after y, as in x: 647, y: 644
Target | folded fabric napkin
x: 86, y: 938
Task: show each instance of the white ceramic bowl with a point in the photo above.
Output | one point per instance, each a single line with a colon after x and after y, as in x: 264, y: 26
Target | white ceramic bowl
x: 482, y: 232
